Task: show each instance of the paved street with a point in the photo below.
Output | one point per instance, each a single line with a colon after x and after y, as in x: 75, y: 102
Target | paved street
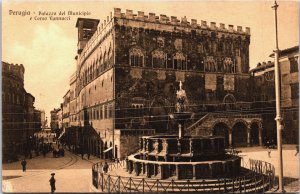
x: 74, y: 174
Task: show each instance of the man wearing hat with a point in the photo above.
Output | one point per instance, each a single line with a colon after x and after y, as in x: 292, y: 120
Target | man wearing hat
x: 52, y: 182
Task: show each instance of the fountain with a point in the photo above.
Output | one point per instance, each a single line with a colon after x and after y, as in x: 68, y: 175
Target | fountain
x: 183, y: 157
x: 183, y: 163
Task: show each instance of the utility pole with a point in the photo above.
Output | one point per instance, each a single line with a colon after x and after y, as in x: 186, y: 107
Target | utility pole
x: 278, y: 102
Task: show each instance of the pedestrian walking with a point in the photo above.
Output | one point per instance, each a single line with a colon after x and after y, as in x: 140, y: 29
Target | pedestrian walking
x: 88, y: 156
x: 23, y: 163
x: 105, y: 167
x: 297, y: 150
x: 52, y: 183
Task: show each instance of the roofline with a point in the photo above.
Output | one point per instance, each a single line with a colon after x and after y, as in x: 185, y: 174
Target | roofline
x: 87, y: 19
x: 286, y: 51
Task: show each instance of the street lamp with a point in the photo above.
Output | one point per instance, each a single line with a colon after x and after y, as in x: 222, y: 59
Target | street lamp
x: 278, y: 100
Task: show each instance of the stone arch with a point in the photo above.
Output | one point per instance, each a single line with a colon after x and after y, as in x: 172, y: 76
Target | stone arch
x: 221, y: 129
x: 229, y: 102
x: 256, y: 132
x: 239, y: 133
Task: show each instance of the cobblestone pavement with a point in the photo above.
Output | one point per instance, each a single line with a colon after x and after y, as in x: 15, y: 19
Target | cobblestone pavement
x: 74, y: 174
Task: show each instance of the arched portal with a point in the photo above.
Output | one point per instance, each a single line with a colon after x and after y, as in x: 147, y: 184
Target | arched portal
x: 221, y: 129
x: 229, y: 102
x: 254, y: 134
x: 239, y: 134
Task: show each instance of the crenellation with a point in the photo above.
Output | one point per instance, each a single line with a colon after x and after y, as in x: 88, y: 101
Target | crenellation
x: 129, y: 14
x: 239, y: 28
x: 172, y: 20
x: 141, y: 15
x: 222, y: 26
x: 203, y: 24
x: 163, y: 19
x: 194, y: 23
x: 152, y: 17
x: 117, y: 12
x: 213, y: 25
x: 247, y: 30
x: 184, y: 20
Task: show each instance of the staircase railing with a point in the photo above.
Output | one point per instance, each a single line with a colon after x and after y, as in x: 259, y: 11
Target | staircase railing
x: 198, y: 123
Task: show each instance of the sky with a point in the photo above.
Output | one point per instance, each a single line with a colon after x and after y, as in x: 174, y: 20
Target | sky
x: 47, y: 49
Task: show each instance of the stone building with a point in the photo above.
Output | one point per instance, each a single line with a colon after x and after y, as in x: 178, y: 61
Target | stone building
x: 66, y: 110
x: 129, y: 68
x: 264, y: 92
x: 18, y: 112
x: 54, y: 122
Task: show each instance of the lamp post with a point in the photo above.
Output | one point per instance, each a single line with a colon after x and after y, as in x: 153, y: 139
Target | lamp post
x: 278, y: 102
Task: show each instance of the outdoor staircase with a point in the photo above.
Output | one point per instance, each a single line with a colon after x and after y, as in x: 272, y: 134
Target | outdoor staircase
x: 204, y: 126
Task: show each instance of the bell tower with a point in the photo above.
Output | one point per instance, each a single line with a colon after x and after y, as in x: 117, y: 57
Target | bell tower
x: 86, y: 29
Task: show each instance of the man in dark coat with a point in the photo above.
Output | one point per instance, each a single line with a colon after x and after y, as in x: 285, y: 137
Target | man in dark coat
x: 23, y: 163
x: 52, y: 182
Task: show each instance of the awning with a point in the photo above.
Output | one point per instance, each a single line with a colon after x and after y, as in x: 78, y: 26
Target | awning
x: 108, y: 149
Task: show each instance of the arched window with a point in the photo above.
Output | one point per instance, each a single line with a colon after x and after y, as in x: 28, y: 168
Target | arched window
x: 179, y: 61
x: 158, y: 59
x: 136, y: 57
x: 228, y: 65
x: 210, y: 64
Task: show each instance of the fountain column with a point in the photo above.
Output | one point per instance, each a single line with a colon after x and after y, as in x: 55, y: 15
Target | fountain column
x: 230, y: 137
x: 194, y: 172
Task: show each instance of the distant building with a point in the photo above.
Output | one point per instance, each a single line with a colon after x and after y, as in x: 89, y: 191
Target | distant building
x: 265, y: 92
x: 54, y: 122
x: 18, y: 112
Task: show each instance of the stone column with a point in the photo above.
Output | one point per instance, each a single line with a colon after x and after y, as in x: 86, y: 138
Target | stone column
x: 210, y: 170
x: 248, y: 136
x: 260, y: 135
x: 180, y: 131
x: 230, y: 137
x: 161, y: 171
x: 177, y: 172
x: 148, y: 170
x: 194, y: 172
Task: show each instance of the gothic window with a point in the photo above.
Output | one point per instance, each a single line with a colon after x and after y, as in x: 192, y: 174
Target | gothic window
x: 158, y: 59
x: 179, y: 61
x: 295, y: 90
x: 105, y: 111
x: 228, y: 65
x: 101, y: 112
x: 210, y: 64
x: 136, y: 57
x: 104, y: 61
x: 293, y: 64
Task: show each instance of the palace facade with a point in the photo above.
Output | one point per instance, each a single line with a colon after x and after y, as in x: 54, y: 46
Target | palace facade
x: 129, y: 68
